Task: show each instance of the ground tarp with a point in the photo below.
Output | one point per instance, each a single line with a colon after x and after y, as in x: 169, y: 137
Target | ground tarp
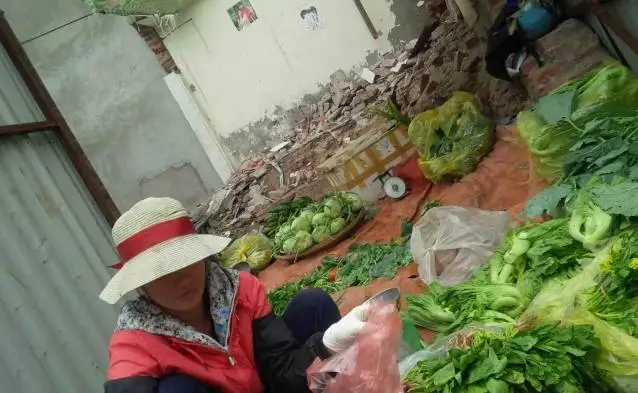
x: 502, y: 181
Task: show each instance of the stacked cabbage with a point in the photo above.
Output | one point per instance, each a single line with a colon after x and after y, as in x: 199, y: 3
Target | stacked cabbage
x: 318, y: 223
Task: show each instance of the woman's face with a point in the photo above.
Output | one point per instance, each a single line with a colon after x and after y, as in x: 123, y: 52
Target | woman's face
x: 179, y: 291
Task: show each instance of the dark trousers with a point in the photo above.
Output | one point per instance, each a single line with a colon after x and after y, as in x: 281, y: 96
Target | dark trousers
x: 311, y: 311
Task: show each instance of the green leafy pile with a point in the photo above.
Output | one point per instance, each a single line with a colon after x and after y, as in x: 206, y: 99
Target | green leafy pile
x: 362, y: 264
x: 604, y: 296
x: 499, y: 292
x: 452, y: 138
x: 544, y: 359
x: 615, y: 297
x: 299, y: 225
x: 586, y: 127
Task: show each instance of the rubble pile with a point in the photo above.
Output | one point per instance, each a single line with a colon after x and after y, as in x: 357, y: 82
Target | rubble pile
x: 452, y: 59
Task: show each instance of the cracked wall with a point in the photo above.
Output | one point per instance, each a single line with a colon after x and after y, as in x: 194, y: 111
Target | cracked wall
x: 250, y: 83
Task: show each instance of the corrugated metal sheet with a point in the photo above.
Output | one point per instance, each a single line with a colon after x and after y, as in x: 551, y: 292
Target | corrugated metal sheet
x: 54, y: 244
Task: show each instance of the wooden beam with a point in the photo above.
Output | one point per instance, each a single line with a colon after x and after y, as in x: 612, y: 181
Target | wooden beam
x: 366, y: 19
x: 51, y: 112
x: 25, y: 128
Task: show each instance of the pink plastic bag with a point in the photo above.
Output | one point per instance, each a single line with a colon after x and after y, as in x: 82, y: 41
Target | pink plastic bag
x: 370, y: 364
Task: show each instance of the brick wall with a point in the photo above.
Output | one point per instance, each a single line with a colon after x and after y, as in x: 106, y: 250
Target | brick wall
x: 156, y: 44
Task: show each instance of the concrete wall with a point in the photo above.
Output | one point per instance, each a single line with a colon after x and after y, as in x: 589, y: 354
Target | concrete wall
x: 109, y: 87
x: 246, y: 81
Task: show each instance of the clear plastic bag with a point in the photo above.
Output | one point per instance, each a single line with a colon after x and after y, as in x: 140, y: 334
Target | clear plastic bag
x: 370, y: 364
x: 253, y: 248
x: 449, y: 243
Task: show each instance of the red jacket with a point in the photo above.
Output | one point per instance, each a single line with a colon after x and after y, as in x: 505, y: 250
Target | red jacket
x: 252, y: 349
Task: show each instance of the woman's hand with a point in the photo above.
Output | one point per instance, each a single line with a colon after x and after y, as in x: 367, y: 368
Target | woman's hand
x: 341, y: 335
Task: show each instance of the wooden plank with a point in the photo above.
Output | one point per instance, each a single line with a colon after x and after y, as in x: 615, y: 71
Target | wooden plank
x: 366, y: 19
x: 25, y: 128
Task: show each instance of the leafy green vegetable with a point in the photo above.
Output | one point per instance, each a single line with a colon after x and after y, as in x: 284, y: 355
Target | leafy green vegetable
x: 592, y: 137
x: 362, y: 264
x: 545, y: 359
x: 320, y: 219
x: 321, y: 234
x: 332, y: 207
x: 619, y: 199
x: 301, y: 224
x: 525, y: 260
x: 547, y: 201
x: 337, y: 225
x: 556, y: 107
x: 389, y: 111
x: 280, y: 214
x: 589, y: 223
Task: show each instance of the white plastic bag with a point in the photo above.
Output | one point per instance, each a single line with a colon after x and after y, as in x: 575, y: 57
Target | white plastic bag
x: 449, y: 243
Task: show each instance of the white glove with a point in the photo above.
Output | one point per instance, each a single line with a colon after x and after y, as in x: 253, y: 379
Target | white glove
x: 341, y: 335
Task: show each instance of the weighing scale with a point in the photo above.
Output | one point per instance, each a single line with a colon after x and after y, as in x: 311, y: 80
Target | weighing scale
x: 393, y: 186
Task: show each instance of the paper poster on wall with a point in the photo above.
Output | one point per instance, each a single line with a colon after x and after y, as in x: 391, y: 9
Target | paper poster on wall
x: 242, y: 14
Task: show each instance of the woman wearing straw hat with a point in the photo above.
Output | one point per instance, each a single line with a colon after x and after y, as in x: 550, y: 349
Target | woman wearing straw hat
x: 199, y: 328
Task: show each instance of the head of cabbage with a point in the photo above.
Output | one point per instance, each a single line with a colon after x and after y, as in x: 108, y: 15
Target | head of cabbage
x: 337, y: 225
x: 353, y: 200
x: 301, y: 224
x: 298, y: 243
x: 320, y: 234
x: 332, y: 207
x: 320, y: 219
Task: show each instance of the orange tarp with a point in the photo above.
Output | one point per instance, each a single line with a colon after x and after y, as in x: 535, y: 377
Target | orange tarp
x: 502, y: 181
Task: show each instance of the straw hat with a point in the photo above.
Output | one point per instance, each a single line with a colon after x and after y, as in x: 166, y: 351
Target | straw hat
x: 155, y: 238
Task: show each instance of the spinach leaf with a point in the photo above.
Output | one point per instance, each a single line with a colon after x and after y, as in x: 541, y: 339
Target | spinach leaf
x: 556, y: 107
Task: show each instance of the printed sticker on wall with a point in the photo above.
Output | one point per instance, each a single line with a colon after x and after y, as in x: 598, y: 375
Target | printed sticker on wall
x: 242, y: 14
x: 310, y: 18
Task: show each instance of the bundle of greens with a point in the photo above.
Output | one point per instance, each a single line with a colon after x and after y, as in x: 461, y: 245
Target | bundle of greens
x: 581, y: 128
x: 544, y: 359
x: 295, y: 229
x: 615, y: 297
x: 362, y: 264
x: 499, y: 292
x: 446, y: 310
x: 604, y: 296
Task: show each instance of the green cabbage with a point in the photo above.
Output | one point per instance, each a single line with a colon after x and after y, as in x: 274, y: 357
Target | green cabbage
x: 299, y: 243
x: 320, y: 219
x: 332, y: 207
x: 301, y: 223
x: 353, y: 200
x: 321, y: 234
x: 307, y: 215
x: 337, y: 225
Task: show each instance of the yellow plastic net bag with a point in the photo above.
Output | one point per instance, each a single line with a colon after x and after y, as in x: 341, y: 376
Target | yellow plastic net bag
x: 253, y: 248
x: 451, y: 139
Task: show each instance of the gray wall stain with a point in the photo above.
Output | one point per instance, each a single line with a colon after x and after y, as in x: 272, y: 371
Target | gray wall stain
x: 110, y: 88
